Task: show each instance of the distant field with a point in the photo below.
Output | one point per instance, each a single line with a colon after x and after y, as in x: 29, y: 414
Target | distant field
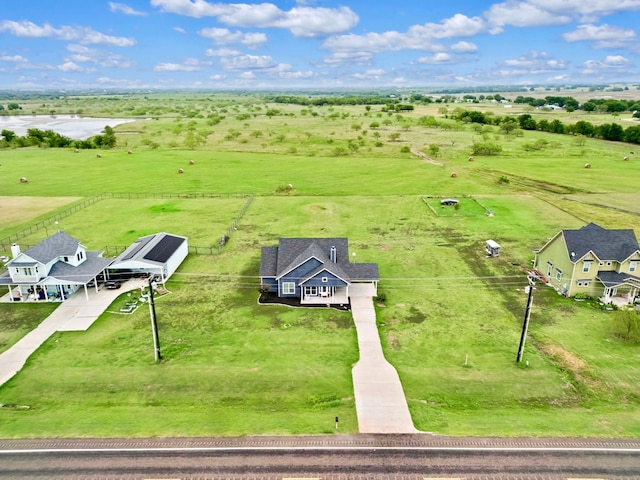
x: 451, y: 318
x: 25, y: 209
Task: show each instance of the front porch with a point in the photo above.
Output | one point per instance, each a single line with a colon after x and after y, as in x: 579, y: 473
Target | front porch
x: 324, y: 295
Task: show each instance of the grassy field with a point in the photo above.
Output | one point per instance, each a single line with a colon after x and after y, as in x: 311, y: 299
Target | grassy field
x: 450, y: 322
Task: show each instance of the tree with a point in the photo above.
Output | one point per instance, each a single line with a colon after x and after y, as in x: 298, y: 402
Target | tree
x: 8, y: 135
x: 14, y: 106
x: 527, y: 122
x: 611, y: 131
x: 434, y: 150
x: 632, y: 134
x: 629, y: 324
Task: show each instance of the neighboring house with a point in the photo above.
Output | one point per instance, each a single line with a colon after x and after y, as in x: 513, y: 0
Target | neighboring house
x: 157, y: 254
x: 594, y: 261
x: 53, y: 269
x: 314, y: 270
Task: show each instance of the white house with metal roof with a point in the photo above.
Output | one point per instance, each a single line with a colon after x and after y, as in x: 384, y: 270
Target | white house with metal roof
x: 53, y: 269
x: 157, y: 254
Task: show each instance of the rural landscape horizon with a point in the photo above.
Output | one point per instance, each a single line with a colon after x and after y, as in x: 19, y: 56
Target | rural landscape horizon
x: 372, y: 166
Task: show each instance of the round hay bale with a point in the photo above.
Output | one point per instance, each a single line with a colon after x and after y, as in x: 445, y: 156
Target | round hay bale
x: 23, y: 180
x: 76, y: 151
x: 98, y: 155
x: 471, y: 159
x: 191, y: 162
x: 587, y: 165
x: 180, y: 170
x: 454, y: 175
x: 130, y: 152
x: 625, y: 158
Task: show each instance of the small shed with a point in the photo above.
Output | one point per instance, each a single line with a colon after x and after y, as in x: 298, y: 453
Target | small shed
x: 492, y: 249
x: 449, y: 201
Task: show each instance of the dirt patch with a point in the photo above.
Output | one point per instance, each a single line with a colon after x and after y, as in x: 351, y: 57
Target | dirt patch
x: 22, y: 209
x: 393, y: 342
x: 426, y: 158
x: 569, y: 362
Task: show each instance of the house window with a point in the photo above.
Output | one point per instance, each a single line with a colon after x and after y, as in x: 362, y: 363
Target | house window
x: 601, y: 263
x: 313, y: 290
x: 325, y: 279
x: 633, y: 266
x: 558, y: 274
x: 549, y: 269
x: 288, y: 288
x: 66, y: 259
x: 586, y: 266
x: 583, y: 284
x: 608, y: 264
x: 28, y: 271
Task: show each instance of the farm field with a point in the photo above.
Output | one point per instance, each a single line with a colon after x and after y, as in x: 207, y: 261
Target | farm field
x: 449, y: 322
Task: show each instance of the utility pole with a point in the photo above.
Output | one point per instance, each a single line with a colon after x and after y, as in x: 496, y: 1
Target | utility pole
x: 154, y: 323
x: 527, y: 315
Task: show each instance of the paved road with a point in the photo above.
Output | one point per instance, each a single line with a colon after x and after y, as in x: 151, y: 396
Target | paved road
x: 349, y: 457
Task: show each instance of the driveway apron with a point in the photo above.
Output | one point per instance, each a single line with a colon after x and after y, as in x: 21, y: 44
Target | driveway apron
x: 75, y: 314
x: 380, y: 401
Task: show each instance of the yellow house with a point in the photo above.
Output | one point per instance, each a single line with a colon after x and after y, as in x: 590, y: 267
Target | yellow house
x: 594, y: 261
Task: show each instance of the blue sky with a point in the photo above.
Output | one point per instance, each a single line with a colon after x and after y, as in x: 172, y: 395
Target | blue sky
x: 160, y: 44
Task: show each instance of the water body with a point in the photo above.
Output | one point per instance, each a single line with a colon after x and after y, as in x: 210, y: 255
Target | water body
x: 72, y: 126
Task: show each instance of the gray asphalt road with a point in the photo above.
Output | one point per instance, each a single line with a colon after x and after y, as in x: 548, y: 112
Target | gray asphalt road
x: 370, y: 457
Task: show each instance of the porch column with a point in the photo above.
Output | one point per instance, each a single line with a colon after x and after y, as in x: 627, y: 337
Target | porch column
x: 10, y: 293
x: 86, y: 292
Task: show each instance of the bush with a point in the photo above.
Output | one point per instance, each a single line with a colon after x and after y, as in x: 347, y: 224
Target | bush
x: 486, y: 148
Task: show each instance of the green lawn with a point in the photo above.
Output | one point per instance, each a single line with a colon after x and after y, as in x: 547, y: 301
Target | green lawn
x: 451, y: 320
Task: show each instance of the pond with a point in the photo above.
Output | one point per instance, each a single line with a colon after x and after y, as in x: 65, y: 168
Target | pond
x: 72, y: 126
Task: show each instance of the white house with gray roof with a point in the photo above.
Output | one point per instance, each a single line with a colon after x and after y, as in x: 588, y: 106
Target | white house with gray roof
x: 53, y: 269
x: 314, y: 270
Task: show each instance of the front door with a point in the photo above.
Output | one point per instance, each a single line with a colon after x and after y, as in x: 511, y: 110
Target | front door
x: 325, y: 291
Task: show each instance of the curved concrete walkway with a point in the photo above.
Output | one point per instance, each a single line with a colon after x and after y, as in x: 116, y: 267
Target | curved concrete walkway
x: 74, y: 314
x: 380, y: 402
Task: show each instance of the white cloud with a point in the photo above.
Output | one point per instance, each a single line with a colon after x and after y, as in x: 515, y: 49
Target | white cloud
x: 223, y: 36
x: 82, y: 54
x: 604, y: 36
x: 616, y: 62
x: 535, y: 63
x: 217, y: 77
x: 189, y: 65
x: 348, y: 58
x: 302, y: 21
x: 464, y: 47
x: 222, y: 52
x: 417, y: 37
x: 123, y: 8
x: 13, y: 58
x: 529, y: 13
x: 247, y: 76
x: 73, y: 67
x: 247, y: 62
x: 180, y: 30
x: 439, y: 58
x: 84, y: 35
x: 372, y: 74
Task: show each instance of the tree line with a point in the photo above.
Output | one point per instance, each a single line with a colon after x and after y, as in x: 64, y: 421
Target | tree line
x: 48, y: 138
x: 607, y: 131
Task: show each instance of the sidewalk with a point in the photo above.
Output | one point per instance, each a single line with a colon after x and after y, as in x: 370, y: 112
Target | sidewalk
x: 380, y: 402
x: 74, y: 314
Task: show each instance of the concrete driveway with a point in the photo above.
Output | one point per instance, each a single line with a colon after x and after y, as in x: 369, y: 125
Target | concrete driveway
x: 381, y: 405
x: 75, y: 314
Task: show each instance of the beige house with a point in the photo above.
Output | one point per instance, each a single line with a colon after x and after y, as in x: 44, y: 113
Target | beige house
x: 594, y: 261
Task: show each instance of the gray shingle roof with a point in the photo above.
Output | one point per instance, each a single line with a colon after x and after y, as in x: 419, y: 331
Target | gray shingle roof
x: 84, y: 272
x: 615, y: 245
x: 59, y: 244
x: 291, y: 252
x: 612, y: 279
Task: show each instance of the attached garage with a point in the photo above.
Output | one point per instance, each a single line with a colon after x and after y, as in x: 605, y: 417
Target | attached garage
x: 158, y: 254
